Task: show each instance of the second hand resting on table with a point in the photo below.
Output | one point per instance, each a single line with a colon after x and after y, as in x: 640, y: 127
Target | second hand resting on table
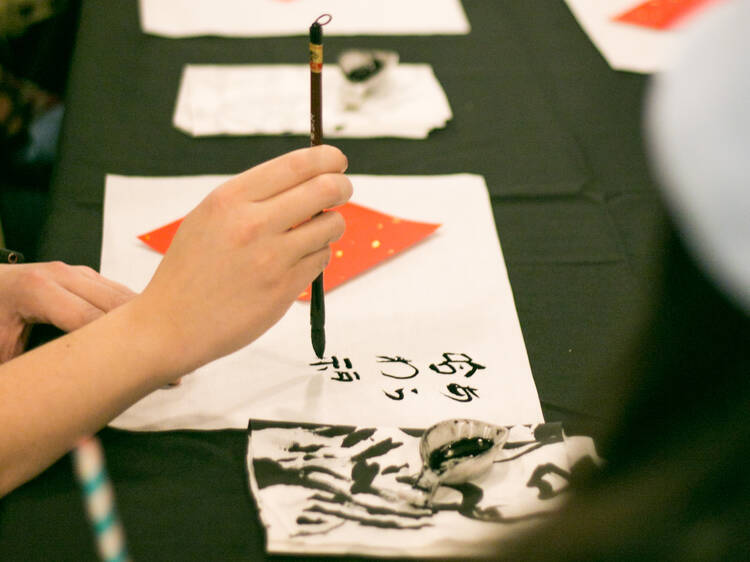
x: 235, y: 266
x: 51, y: 293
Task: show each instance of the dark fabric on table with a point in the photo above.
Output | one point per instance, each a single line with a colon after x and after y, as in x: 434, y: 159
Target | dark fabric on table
x: 537, y: 111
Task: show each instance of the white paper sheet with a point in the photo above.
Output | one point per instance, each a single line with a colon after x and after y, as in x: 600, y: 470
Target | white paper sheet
x: 275, y: 99
x: 323, y: 490
x: 626, y: 46
x: 447, y: 295
x: 259, y: 18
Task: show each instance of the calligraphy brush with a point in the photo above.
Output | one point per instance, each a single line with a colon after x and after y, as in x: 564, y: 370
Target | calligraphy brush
x: 10, y: 256
x: 317, y: 304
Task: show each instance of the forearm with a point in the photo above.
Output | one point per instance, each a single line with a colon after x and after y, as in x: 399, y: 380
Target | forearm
x: 71, y: 387
x: 236, y: 264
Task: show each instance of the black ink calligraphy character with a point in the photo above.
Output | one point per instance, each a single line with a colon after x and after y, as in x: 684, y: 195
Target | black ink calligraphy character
x: 408, y: 371
x: 342, y: 375
x: 456, y: 362
x: 399, y: 393
x: 464, y: 393
x: 345, y: 376
x: 334, y: 362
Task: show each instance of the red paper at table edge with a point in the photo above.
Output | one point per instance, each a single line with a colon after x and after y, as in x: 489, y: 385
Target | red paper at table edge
x: 660, y: 14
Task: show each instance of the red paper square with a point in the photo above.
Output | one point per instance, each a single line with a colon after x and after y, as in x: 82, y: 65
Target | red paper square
x: 371, y: 237
x: 161, y: 238
x: 659, y: 14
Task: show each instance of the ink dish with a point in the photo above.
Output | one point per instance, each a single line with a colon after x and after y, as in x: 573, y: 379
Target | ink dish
x: 456, y: 451
x: 365, y: 73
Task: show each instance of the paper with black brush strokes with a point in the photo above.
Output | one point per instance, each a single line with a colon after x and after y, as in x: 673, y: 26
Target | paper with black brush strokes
x: 346, y: 490
x: 431, y: 333
x: 274, y: 99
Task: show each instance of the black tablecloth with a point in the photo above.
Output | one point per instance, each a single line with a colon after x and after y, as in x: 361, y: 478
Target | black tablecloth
x: 537, y: 111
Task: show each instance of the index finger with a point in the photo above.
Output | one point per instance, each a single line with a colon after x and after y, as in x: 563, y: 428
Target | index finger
x: 288, y: 170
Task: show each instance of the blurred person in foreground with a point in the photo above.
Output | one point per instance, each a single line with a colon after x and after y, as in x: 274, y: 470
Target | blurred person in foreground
x: 675, y: 484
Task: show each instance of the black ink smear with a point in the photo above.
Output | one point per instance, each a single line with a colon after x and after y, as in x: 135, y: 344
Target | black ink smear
x: 471, y: 495
x: 517, y: 444
x: 377, y: 510
x: 302, y: 520
x: 393, y: 468
x: 357, y: 436
x: 364, y: 521
x: 363, y: 475
x: 377, y: 450
x: 533, y: 447
x: 287, y: 459
x: 297, y: 448
x: 268, y: 472
x: 545, y: 488
x: 312, y: 532
x: 334, y: 430
x: 309, y: 457
x: 411, y: 432
x: 545, y: 434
